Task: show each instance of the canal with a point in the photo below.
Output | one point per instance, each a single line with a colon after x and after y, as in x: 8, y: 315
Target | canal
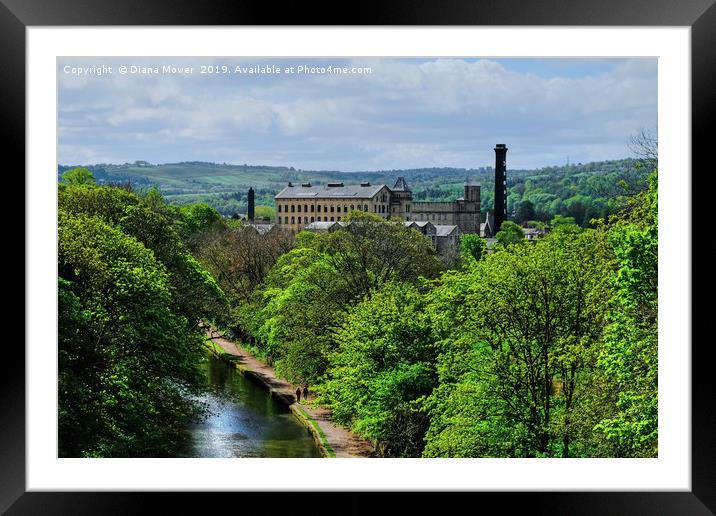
x: 245, y: 421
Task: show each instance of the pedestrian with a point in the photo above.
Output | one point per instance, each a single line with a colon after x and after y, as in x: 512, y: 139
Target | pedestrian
x: 298, y: 395
x: 305, y: 393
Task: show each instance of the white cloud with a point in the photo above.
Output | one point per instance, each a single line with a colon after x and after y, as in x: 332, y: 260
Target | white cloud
x: 407, y: 113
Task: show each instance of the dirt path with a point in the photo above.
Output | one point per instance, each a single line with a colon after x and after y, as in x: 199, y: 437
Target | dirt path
x: 343, y: 442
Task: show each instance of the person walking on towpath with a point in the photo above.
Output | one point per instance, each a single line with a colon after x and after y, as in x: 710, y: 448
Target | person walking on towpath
x: 305, y: 393
x: 298, y: 395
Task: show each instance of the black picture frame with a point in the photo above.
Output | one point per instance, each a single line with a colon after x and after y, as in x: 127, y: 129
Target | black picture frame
x: 700, y: 15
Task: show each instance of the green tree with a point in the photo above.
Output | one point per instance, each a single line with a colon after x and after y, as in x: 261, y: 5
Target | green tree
x: 370, y: 251
x: 312, y: 288
x: 509, y: 233
x: 472, y: 247
x: 154, y: 199
x: 265, y: 212
x: 382, y: 365
x: 526, y: 211
x: 130, y: 299
x: 195, y: 293
x: 125, y: 358
x: 630, y: 355
x: 518, y: 335
x: 77, y: 176
x: 296, y: 324
x: 561, y: 220
x: 197, y: 218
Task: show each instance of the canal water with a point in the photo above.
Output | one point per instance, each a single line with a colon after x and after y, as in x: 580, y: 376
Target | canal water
x: 245, y: 421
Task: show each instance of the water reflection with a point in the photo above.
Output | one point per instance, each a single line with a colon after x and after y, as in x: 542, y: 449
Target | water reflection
x: 245, y: 421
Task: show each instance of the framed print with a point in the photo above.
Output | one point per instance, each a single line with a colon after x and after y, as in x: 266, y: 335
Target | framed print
x: 422, y: 246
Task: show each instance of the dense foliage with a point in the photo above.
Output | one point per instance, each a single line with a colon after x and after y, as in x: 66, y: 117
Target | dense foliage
x: 517, y: 336
x: 544, y: 348
x: 528, y: 349
x: 472, y: 247
x: 509, y: 233
x: 130, y: 297
x: 307, y: 295
x: 384, y: 363
x: 630, y: 349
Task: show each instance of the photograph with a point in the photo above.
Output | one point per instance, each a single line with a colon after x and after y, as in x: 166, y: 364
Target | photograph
x: 357, y: 257
x: 456, y: 243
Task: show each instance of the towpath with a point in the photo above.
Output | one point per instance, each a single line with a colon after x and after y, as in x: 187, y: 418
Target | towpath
x: 343, y: 442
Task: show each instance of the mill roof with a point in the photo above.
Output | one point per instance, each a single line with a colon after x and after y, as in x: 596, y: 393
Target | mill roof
x: 422, y: 223
x: 362, y: 191
x: 446, y: 230
x: 321, y: 226
x: 261, y: 229
x: 425, y: 227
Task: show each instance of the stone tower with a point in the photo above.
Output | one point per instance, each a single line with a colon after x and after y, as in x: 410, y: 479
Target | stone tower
x: 400, y: 200
x: 471, y: 192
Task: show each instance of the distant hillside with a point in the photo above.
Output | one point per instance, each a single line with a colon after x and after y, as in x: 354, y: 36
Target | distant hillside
x: 200, y: 177
x: 581, y: 190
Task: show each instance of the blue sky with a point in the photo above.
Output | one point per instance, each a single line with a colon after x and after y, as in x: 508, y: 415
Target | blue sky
x: 405, y: 113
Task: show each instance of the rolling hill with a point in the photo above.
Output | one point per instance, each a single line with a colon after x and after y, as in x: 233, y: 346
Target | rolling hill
x: 580, y: 190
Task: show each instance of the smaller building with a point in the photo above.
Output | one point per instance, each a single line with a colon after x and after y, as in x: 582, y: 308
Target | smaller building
x: 323, y: 226
x: 262, y: 229
x: 532, y: 233
x: 445, y: 237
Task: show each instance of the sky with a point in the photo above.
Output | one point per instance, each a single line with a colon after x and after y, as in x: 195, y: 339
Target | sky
x: 384, y: 114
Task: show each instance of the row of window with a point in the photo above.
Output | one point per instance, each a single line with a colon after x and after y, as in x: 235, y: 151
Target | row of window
x: 346, y: 208
x: 433, y: 216
x: 326, y: 209
x: 304, y: 220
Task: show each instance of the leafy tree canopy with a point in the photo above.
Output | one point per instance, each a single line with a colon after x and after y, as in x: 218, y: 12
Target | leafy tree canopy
x: 77, y: 176
x: 509, y: 234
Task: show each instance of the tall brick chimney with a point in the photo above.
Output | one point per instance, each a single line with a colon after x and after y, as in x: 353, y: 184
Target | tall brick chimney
x: 252, y: 205
x: 500, y: 185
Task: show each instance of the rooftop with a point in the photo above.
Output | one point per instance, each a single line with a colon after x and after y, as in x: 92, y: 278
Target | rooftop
x: 401, y: 185
x: 322, y: 225
x: 445, y: 230
x: 420, y: 223
x: 261, y: 229
x: 362, y: 191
